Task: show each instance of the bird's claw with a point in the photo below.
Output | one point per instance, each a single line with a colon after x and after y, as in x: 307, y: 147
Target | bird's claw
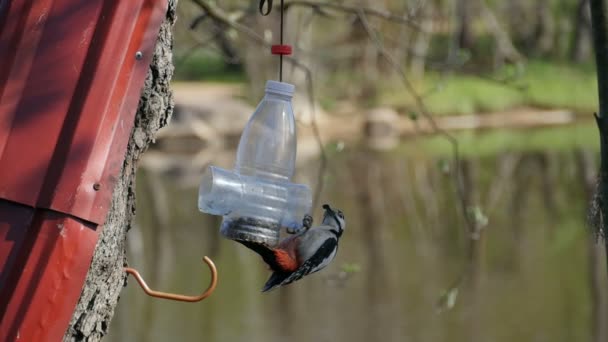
x: 293, y: 230
x: 307, y: 221
x: 306, y: 224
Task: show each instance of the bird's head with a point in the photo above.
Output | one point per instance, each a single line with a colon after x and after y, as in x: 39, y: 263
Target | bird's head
x: 334, y: 218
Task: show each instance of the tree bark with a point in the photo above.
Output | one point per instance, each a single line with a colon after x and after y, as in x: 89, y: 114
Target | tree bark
x: 106, y: 277
x: 580, y: 48
x: 464, y: 18
x: 477, y: 251
x: 542, y: 41
x: 422, y: 42
x: 599, y: 24
x: 505, y: 51
x: 587, y: 167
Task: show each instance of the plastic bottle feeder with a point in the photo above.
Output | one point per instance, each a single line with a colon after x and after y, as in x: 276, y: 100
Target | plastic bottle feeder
x: 257, y: 198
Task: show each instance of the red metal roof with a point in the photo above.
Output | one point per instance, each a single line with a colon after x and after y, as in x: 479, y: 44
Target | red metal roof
x: 70, y: 82
x: 69, y: 70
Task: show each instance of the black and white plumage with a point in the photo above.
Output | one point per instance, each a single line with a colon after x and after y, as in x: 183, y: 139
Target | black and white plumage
x: 306, y: 252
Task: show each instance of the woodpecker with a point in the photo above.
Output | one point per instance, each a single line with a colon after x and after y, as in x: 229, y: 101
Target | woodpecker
x: 305, y: 252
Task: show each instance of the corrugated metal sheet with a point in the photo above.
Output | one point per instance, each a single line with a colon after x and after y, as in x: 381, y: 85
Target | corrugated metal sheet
x: 69, y: 71
x: 51, y: 272
x: 70, y: 82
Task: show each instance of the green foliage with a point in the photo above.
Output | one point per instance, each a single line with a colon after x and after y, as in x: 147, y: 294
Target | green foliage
x: 567, y: 234
x: 444, y: 165
x: 412, y: 115
x: 327, y: 103
x: 350, y: 268
x: 334, y: 147
x: 206, y: 67
x: 447, y: 300
x: 477, y: 216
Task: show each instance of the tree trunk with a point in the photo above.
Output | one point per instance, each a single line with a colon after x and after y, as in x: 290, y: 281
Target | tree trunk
x: 587, y: 167
x: 599, y: 26
x: 542, y: 40
x: 474, y: 282
x: 228, y: 49
x: 464, y: 31
x: 258, y: 65
x: 106, y: 277
x: 519, y: 19
x: 422, y: 42
x: 505, y: 51
x: 580, y: 48
x: 599, y: 206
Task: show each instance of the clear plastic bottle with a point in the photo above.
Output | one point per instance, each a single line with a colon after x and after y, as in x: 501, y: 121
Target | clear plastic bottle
x: 268, y: 144
x: 258, y: 198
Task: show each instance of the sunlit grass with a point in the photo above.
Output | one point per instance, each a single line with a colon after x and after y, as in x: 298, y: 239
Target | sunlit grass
x: 537, y: 84
x: 461, y: 94
x: 473, y: 143
x: 560, y: 86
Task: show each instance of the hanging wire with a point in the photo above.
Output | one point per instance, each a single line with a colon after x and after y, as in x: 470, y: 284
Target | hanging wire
x: 281, y: 56
x: 281, y: 48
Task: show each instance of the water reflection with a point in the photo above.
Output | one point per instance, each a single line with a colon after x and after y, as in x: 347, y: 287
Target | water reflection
x: 535, y: 279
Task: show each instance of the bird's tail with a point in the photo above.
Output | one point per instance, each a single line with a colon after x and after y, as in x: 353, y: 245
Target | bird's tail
x: 279, y: 261
x: 264, y: 251
x: 275, y: 280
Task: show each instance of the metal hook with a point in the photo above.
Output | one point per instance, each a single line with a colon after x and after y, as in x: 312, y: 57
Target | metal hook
x: 268, y: 9
x: 173, y: 296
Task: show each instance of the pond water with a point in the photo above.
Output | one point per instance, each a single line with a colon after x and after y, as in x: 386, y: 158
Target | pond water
x: 531, y: 278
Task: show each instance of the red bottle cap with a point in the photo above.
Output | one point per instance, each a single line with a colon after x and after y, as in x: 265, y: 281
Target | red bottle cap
x: 281, y: 49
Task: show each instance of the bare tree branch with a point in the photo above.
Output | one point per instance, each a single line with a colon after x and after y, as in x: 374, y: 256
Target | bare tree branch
x: 386, y: 15
x: 218, y: 15
x: 422, y: 108
x: 473, y: 231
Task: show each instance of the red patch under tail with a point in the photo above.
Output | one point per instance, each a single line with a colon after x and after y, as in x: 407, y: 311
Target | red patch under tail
x: 286, y: 262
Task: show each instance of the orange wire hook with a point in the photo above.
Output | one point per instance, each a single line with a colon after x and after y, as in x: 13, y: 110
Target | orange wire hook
x: 173, y: 296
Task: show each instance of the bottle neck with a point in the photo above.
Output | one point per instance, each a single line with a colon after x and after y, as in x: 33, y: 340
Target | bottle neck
x: 276, y: 96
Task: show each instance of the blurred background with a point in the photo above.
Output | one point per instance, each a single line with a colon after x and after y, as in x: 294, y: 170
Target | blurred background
x: 487, y: 244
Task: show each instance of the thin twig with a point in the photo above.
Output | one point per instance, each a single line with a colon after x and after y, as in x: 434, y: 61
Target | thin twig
x: 317, y: 134
x: 422, y: 108
x: 386, y: 15
x: 473, y: 229
x: 197, y: 45
x: 218, y: 15
x: 208, y: 42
